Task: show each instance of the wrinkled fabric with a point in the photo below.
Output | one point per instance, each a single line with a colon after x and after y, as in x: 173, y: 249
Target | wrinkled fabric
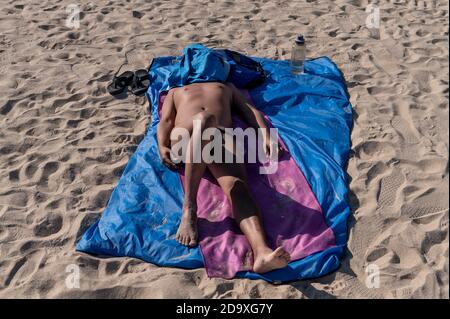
x: 199, y: 64
x: 313, y: 116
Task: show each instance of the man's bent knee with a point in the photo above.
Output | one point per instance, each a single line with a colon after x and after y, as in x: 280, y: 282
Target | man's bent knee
x: 236, y: 188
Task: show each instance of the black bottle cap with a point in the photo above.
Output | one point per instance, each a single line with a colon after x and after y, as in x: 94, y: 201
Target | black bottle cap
x: 300, y: 39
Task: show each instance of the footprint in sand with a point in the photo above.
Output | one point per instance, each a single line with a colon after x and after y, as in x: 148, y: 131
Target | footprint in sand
x: 355, y: 288
x: 389, y: 188
x: 13, y: 175
x: 429, y: 203
x: 15, y: 198
x: 49, y: 169
x: 376, y: 254
x: 51, y: 224
x: 365, y: 230
x: 25, y: 268
x: 7, y: 107
x: 404, y: 130
x: 112, y: 267
x: 402, y: 293
x: 375, y: 172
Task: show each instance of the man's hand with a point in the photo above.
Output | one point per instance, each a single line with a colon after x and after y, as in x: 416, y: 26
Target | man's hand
x: 164, y: 153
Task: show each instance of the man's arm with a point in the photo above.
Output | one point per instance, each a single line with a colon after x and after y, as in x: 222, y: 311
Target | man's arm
x: 248, y: 112
x: 253, y: 117
x: 165, y: 126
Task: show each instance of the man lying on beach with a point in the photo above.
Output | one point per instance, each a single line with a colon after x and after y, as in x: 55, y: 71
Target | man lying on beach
x: 211, y: 104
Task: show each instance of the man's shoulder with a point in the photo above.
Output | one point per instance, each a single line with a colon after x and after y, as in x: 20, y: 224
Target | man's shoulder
x: 172, y: 90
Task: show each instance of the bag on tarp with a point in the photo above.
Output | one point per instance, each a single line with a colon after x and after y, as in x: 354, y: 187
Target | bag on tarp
x: 245, y: 73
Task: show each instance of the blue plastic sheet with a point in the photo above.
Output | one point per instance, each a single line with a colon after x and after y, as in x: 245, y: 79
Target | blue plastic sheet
x: 314, y: 117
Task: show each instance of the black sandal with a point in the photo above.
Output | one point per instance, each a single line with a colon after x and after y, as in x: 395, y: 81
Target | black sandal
x: 140, y: 82
x: 120, y: 83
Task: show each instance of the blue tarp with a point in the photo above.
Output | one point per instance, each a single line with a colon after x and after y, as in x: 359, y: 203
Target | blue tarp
x: 313, y: 115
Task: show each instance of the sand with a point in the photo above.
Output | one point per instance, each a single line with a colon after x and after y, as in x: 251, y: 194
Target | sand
x: 64, y: 141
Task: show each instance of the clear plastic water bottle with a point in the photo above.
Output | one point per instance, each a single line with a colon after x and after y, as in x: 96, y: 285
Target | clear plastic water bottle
x: 298, y: 55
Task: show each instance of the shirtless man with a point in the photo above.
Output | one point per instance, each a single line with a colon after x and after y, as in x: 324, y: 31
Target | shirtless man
x: 211, y: 104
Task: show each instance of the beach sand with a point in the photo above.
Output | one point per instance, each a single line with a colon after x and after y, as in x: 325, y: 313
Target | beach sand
x: 64, y: 141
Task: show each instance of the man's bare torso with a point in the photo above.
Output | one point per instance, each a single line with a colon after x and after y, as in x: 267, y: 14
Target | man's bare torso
x: 213, y: 97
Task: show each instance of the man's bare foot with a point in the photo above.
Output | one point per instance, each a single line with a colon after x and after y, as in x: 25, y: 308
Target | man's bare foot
x: 187, y: 231
x: 270, y: 260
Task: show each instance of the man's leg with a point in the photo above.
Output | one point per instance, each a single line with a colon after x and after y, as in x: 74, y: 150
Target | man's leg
x: 193, y: 172
x: 232, y: 179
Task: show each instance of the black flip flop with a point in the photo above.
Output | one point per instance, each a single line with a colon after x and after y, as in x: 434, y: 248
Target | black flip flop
x: 120, y: 83
x: 141, y: 82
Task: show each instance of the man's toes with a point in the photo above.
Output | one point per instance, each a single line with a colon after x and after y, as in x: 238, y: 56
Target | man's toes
x: 192, y: 242
x: 279, y: 252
